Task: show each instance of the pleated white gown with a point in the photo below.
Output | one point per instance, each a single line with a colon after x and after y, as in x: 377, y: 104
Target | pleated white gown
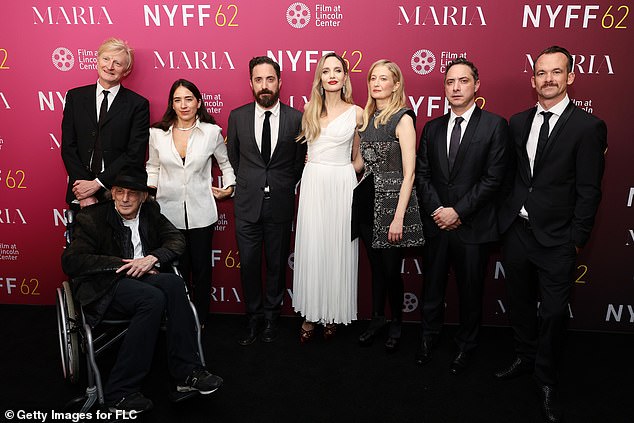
x: 326, y: 260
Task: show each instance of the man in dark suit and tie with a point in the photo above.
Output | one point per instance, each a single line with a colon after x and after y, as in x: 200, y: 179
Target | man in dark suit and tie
x: 105, y: 127
x: 461, y: 163
x: 554, y: 194
x: 262, y: 147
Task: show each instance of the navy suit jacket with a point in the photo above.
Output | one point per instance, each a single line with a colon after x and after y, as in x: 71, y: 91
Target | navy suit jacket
x: 472, y: 187
x: 563, y: 194
x: 124, y: 134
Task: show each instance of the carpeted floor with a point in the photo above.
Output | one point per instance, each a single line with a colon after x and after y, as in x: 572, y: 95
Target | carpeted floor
x: 335, y: 381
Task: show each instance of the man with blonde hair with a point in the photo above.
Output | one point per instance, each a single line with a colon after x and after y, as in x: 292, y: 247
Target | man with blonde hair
x: 105, y: 127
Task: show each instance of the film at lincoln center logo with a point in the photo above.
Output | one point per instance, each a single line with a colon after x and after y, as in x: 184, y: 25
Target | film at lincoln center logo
x: 423, y: 62
x: 63, y: 59
x: 298, y: 15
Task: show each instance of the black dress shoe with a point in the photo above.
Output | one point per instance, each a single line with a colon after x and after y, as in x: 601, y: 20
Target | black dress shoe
x: 269, y: 334
x: 460, y: 363
x: 423, y: 355
x: 250, y: 335
x: 548, y: 403
x: 391, y: 345
x: 376, y: 324
x: 517, y: 368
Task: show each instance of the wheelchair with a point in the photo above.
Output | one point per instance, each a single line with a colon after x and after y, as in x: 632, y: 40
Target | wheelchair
x: 78, y: 340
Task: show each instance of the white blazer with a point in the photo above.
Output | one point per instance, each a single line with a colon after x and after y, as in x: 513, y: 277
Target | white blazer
x: 187, y: 187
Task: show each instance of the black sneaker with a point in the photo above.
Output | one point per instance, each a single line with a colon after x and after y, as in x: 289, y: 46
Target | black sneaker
x: 134, y: 403
x: 200, y: 380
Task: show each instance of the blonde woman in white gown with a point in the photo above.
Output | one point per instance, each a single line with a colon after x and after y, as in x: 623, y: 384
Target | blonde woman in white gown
x: 326, y: 258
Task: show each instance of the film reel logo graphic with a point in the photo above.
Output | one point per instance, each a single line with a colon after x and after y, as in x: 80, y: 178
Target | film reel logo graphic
x: 410, y: 302
x: 298, y: 15
x: 63, y: 59
x: 423, y: 62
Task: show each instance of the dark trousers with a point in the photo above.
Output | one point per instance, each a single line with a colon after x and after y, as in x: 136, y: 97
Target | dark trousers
x: 469, y: 262
x: 144, y: 302
x: 195, y: 265
x: 275, y: 238
x: 533, y: 271
x: 387, y: 282
x: 385, y: 263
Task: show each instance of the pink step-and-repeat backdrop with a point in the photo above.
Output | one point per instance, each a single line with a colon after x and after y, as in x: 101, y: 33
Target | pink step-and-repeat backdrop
x: 48, y: 47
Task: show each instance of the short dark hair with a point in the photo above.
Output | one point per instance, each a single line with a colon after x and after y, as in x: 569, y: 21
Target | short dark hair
x: 263, y: 60
x: 463, y: 61
x: 553, y: 50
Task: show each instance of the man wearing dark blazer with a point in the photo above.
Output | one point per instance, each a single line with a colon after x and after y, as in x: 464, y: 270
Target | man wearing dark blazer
x: 268, y: 161
x: 460, y: 167
x: 547, y: 217
x: 105, y: 127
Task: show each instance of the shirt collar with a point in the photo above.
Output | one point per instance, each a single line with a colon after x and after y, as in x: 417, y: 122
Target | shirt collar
x: 557, y: 109
x: 259, y: 111
x: 466, y: 115
x: 113, y: 91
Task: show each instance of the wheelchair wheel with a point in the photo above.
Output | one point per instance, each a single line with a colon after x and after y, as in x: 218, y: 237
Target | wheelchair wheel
x: 68, y: 325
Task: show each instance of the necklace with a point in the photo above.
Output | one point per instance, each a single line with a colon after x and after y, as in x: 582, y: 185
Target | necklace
x: 187, y: 129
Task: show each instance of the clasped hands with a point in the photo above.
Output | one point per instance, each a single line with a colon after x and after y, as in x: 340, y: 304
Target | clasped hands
x: 446, y: 218
x: 84, y: 190
x: 135, y: 268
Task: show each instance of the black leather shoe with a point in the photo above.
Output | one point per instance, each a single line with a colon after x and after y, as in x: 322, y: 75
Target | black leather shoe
x: 460, y: 363
x: 517, y: 368
x: 391, y: 345
x: 548, y: 403
x: 269, y: 334
x: 250, y: 335
x: 423, y: 355
x: 376, y: 324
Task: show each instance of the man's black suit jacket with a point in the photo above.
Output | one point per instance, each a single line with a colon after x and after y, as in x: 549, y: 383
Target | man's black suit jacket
x: 472, y: 187
x: 124, y: 134
x: 563, y: 194
x: 282, y: 172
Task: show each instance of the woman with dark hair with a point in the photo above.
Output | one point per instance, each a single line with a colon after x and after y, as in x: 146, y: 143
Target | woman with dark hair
x: 182, y: 144
x: 388, y: 217
x: 325, y: 271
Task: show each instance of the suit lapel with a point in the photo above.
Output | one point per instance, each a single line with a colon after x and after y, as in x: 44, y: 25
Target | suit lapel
x: 441, y: 146
x: 251, y: 132
x: 561, y: 122
x: 467, y: 138
x: 117, y: 106
x: 281, y: 124
x: 89, y: 103
x: 526, y: 166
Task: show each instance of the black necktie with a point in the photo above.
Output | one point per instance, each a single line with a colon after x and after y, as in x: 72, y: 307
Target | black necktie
x: 542, y: 139
x: 266, y: 138
x: 97, y: 157
x: 454, y: 141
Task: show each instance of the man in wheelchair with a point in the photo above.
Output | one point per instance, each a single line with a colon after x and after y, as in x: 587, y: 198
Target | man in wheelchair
x: 115, y: 257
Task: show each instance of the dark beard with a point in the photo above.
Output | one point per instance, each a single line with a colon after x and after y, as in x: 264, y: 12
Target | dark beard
x: 268, y: 100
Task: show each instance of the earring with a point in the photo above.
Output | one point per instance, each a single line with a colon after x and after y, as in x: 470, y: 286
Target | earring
x: 343, y: 90
x: 321, y: 89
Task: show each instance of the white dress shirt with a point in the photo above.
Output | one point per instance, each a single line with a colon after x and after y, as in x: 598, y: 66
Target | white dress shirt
x: 533, y: 136
x: 274, y: 120
x: 463, y: 125
x: 187, y: 186
x: 112, y: 93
